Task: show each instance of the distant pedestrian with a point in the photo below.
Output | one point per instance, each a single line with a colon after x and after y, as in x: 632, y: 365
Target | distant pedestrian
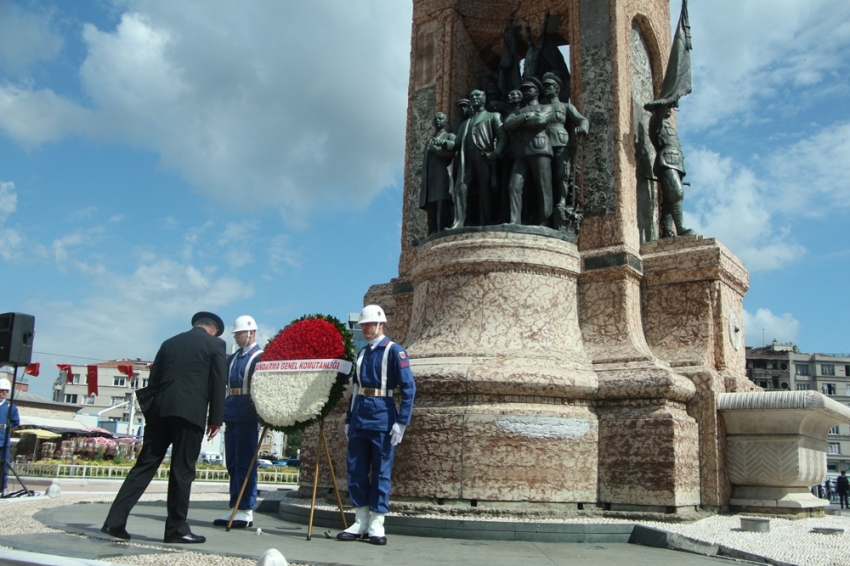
x: 843, y: 487
x: 827, y: 488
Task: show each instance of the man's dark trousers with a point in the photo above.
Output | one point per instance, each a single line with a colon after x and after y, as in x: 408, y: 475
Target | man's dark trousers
x: 159, y: 434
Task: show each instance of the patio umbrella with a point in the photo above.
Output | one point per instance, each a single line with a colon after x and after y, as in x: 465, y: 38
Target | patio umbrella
x: 99, y: 432
x: 39, y: 433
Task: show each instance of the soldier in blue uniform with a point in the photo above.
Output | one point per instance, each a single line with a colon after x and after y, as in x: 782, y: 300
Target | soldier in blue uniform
x: 5, y: 408
x: 375, y: 426
x: 241, y: 424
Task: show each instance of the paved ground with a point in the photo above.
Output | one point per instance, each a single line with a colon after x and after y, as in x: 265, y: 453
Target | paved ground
x: 146, y: 526
x: 68, y: 528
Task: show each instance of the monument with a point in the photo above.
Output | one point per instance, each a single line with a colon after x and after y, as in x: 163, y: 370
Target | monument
x: 572, y: 367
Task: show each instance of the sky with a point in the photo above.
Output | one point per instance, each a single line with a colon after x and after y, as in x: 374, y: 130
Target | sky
x: 158, y: 158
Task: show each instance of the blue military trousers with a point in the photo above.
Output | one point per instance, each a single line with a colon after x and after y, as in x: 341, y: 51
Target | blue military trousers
x: 370, y: 451
x: 240, y: 442
x: 5, y: 472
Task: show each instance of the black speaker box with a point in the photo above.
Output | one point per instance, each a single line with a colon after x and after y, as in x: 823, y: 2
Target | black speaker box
x: 16, y: 334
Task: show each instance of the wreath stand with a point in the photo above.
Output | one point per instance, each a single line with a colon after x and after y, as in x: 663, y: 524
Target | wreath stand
x: 323, y: 442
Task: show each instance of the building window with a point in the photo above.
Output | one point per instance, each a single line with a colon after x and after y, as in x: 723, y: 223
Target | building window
x: 119, y: 381
x: 833, y: 448
x: 801, y: 369
x: 848, y: 390
x: 117, y: 400
x: 847, y: 371
x: 762, y: 383
x: 832, y: 467
x: 145, y: 382
x: 71, y: 398
x: 834, y: 430
x: 802, y: 387
x: 827, y: 369
x: 828, y: 389
x: 134, y: 383
x: 90, y: 400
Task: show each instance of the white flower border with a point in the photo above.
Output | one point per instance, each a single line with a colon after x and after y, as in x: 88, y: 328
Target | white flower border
x: 287, y: 397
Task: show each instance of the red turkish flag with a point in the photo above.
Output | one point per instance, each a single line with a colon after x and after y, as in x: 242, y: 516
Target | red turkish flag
x: 126, y: 370
x: 32, y: 369
x: 91, y: 379
x: 67, y: 369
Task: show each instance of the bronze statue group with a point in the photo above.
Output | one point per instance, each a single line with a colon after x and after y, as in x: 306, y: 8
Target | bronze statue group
x: 512, y: 157
x: 512, y: 161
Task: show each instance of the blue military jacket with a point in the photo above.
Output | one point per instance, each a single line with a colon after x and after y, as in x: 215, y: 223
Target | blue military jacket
x: 240, y: 408
x: 381, y: 413
x: 4, y: 414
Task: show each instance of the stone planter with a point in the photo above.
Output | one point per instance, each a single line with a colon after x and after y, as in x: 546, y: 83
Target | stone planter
x: 777, y: 448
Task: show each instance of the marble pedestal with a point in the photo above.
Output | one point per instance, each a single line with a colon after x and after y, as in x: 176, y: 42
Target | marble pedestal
x: 692, y: 306
x: 777, y: 448
x: 504, y: 388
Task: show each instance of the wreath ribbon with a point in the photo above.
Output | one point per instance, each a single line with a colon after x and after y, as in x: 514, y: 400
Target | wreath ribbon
x: 283, y: 366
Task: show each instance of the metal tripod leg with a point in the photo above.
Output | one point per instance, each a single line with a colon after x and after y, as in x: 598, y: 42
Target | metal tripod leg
x: 333, y: 475
x: 315, y: 484
x: 323, y: 443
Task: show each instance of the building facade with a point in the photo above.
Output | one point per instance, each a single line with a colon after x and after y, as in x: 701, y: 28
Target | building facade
x: 115, y: 402
x: 782, y: 367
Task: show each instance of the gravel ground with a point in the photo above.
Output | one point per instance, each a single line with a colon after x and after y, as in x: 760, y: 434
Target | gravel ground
x: 788, y: 541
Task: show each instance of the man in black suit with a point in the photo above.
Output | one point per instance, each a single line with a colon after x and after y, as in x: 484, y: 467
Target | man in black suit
x: 191, y: 370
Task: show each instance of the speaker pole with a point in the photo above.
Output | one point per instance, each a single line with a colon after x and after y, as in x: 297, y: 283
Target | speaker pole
x: 4, y: 463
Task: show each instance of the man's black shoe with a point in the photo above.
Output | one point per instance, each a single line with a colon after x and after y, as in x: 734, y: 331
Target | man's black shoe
x: 117, y: 532
x: 378, y: 540
x: 348, y: 536
x: 186, y: 539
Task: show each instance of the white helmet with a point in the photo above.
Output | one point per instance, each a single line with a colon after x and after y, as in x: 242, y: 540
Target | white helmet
x: 243, y: 323
x: 4, y: 384
x: 372, y: 313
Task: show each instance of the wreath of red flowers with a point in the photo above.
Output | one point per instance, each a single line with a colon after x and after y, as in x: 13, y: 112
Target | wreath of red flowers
x: 312, y: 337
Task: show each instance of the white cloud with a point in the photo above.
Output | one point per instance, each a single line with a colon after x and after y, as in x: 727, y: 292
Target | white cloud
x: 282, y: 255
x: 86, y: 238
x: 734, y: 205
x: 810, y: 176
x: 268, y: 104
x: 8, y: 200
x: 10, y: 243
x: 129, y: 315
x: 11, y: 240
x: 748, y: 54
x: 756, y: 209
x: 34, y: 117
x: 764, y: 327
x: 25, y: 38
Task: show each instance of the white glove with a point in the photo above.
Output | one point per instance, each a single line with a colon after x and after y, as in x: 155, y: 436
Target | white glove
x: 397, y: 432
x: 346, y: 432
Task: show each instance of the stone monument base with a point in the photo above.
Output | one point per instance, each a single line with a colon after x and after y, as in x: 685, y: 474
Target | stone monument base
x: 776, y: 500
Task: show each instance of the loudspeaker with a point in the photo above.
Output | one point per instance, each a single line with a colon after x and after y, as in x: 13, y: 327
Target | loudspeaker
x: 16, y: 334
